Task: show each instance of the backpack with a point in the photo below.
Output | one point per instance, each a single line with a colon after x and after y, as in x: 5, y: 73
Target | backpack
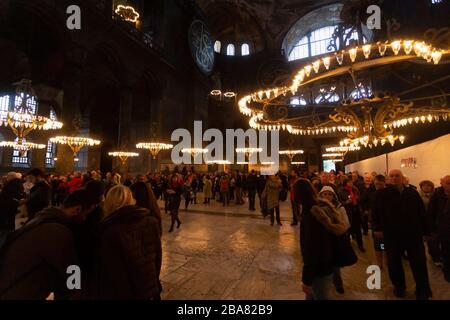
x: 9, y: 238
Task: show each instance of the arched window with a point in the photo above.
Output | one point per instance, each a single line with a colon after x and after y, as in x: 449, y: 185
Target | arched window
x: 300, y: 50
x: 20, y: 160
x: 245, y: 49
x: 217, y: 46
x: 311, y: 34
x: 51, y: 147
x: 4, y: 107
x: 320, y: 39
x: 361, y: 93
x: 23, y: 160
x: 230, y: 50
x: 327, y: 97
x: 298, y: 101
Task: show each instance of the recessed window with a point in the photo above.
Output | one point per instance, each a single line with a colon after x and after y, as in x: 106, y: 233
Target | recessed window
x: 361, y: 93
x: 298, y: 101
x: 230, y: 50
x: 245, y: 49
x: 317, y: 42
x: 51, y: 147
x: 217, y: 46
x: 4, y: 107
x: 327, y: 97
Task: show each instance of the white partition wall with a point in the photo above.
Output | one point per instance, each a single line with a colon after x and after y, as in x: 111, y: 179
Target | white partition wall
x: 429, y: 160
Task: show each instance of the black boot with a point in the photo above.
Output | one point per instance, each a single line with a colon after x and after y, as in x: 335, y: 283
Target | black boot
x: 178, y: 223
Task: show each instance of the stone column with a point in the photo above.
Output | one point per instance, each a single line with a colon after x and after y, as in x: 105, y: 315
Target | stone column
x: 71, y: 105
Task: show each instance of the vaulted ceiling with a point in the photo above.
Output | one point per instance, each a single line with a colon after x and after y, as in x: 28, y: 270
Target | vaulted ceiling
x: 263, y: 23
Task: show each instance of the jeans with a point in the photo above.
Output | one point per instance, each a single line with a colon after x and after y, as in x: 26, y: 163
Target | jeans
x: 415, y: 249
x: 251, y: 199
x: 322, y: 288
x: 224, y: 198
x: 277, y: 212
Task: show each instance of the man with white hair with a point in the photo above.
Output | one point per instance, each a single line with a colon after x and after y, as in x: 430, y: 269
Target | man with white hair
x: 399, y: 216
x: 439, y: 218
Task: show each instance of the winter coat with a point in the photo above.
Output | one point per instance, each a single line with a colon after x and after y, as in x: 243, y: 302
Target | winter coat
x: 39, y: 199
x: 128, y: 256
x: 271, y: 193
x: 207, y: 189
x: 400, y: 216
x: 438, y: 214
x: 251, y: 183
x: 34, y: 264
x: 318, y: 230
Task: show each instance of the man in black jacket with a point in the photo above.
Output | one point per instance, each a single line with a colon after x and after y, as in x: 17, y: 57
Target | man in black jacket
x: 251, y: 184
x: 40, y: 195
x: 439, y: 219
x: 399, y: 217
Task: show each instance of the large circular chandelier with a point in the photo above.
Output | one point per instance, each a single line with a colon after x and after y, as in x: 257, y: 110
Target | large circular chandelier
x: 22, y: 119
x: 75, y: 143
x: 154, y: 147
x: 23, y: 147
x: 366, y: 120
x: 123, y: 156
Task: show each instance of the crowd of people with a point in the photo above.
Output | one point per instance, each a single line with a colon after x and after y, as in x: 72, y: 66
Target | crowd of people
x: 110, y: 226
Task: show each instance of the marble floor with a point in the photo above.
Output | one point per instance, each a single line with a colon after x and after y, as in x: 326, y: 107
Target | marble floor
x: 232, y: 253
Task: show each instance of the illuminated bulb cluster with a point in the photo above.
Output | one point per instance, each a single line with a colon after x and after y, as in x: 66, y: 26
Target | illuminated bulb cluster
x: 248, y: 150
x: 417, y: 119
x: 298, y: 162
x: 23, y: 147
x: 332, y: 155
x: 372, y: 142
x: 342, y: 149
x: 154, y: 147
x: 75, y: 141
x: 120, y: 154
x: 28, y: 121
x: 324, y: 130
x: 288, y: 152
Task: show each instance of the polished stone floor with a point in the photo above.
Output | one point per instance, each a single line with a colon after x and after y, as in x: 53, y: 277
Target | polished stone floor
x: 232, y: 253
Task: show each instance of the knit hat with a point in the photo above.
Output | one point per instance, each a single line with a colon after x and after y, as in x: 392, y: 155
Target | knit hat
x: 327, y: 188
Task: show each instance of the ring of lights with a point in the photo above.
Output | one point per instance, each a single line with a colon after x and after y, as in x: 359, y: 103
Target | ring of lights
x: 347, y: 61
x: 75, y: 143
x: 154, y: 147
x: 123, y: 155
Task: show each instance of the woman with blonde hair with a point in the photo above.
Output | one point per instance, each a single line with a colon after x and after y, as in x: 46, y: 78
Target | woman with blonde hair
x: 128, y: 257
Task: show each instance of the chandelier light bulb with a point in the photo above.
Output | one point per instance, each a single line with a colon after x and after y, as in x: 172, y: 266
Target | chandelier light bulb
x: 401, y: 139
x: 366, y: 50
x: 340, y: 57
x: 308, y: 70
x: 352, y: 53
x: 316, y: 66
x: 396, y: 46
x: 326, y: 62
x: 260, y: 95
x: 436, y: 55
x: 418, y: 48
x: 268, y: 94
x: 382, y: 48
x: 408, y: 46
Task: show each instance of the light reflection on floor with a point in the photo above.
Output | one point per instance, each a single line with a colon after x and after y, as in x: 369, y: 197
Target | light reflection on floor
x: 240, y: 256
